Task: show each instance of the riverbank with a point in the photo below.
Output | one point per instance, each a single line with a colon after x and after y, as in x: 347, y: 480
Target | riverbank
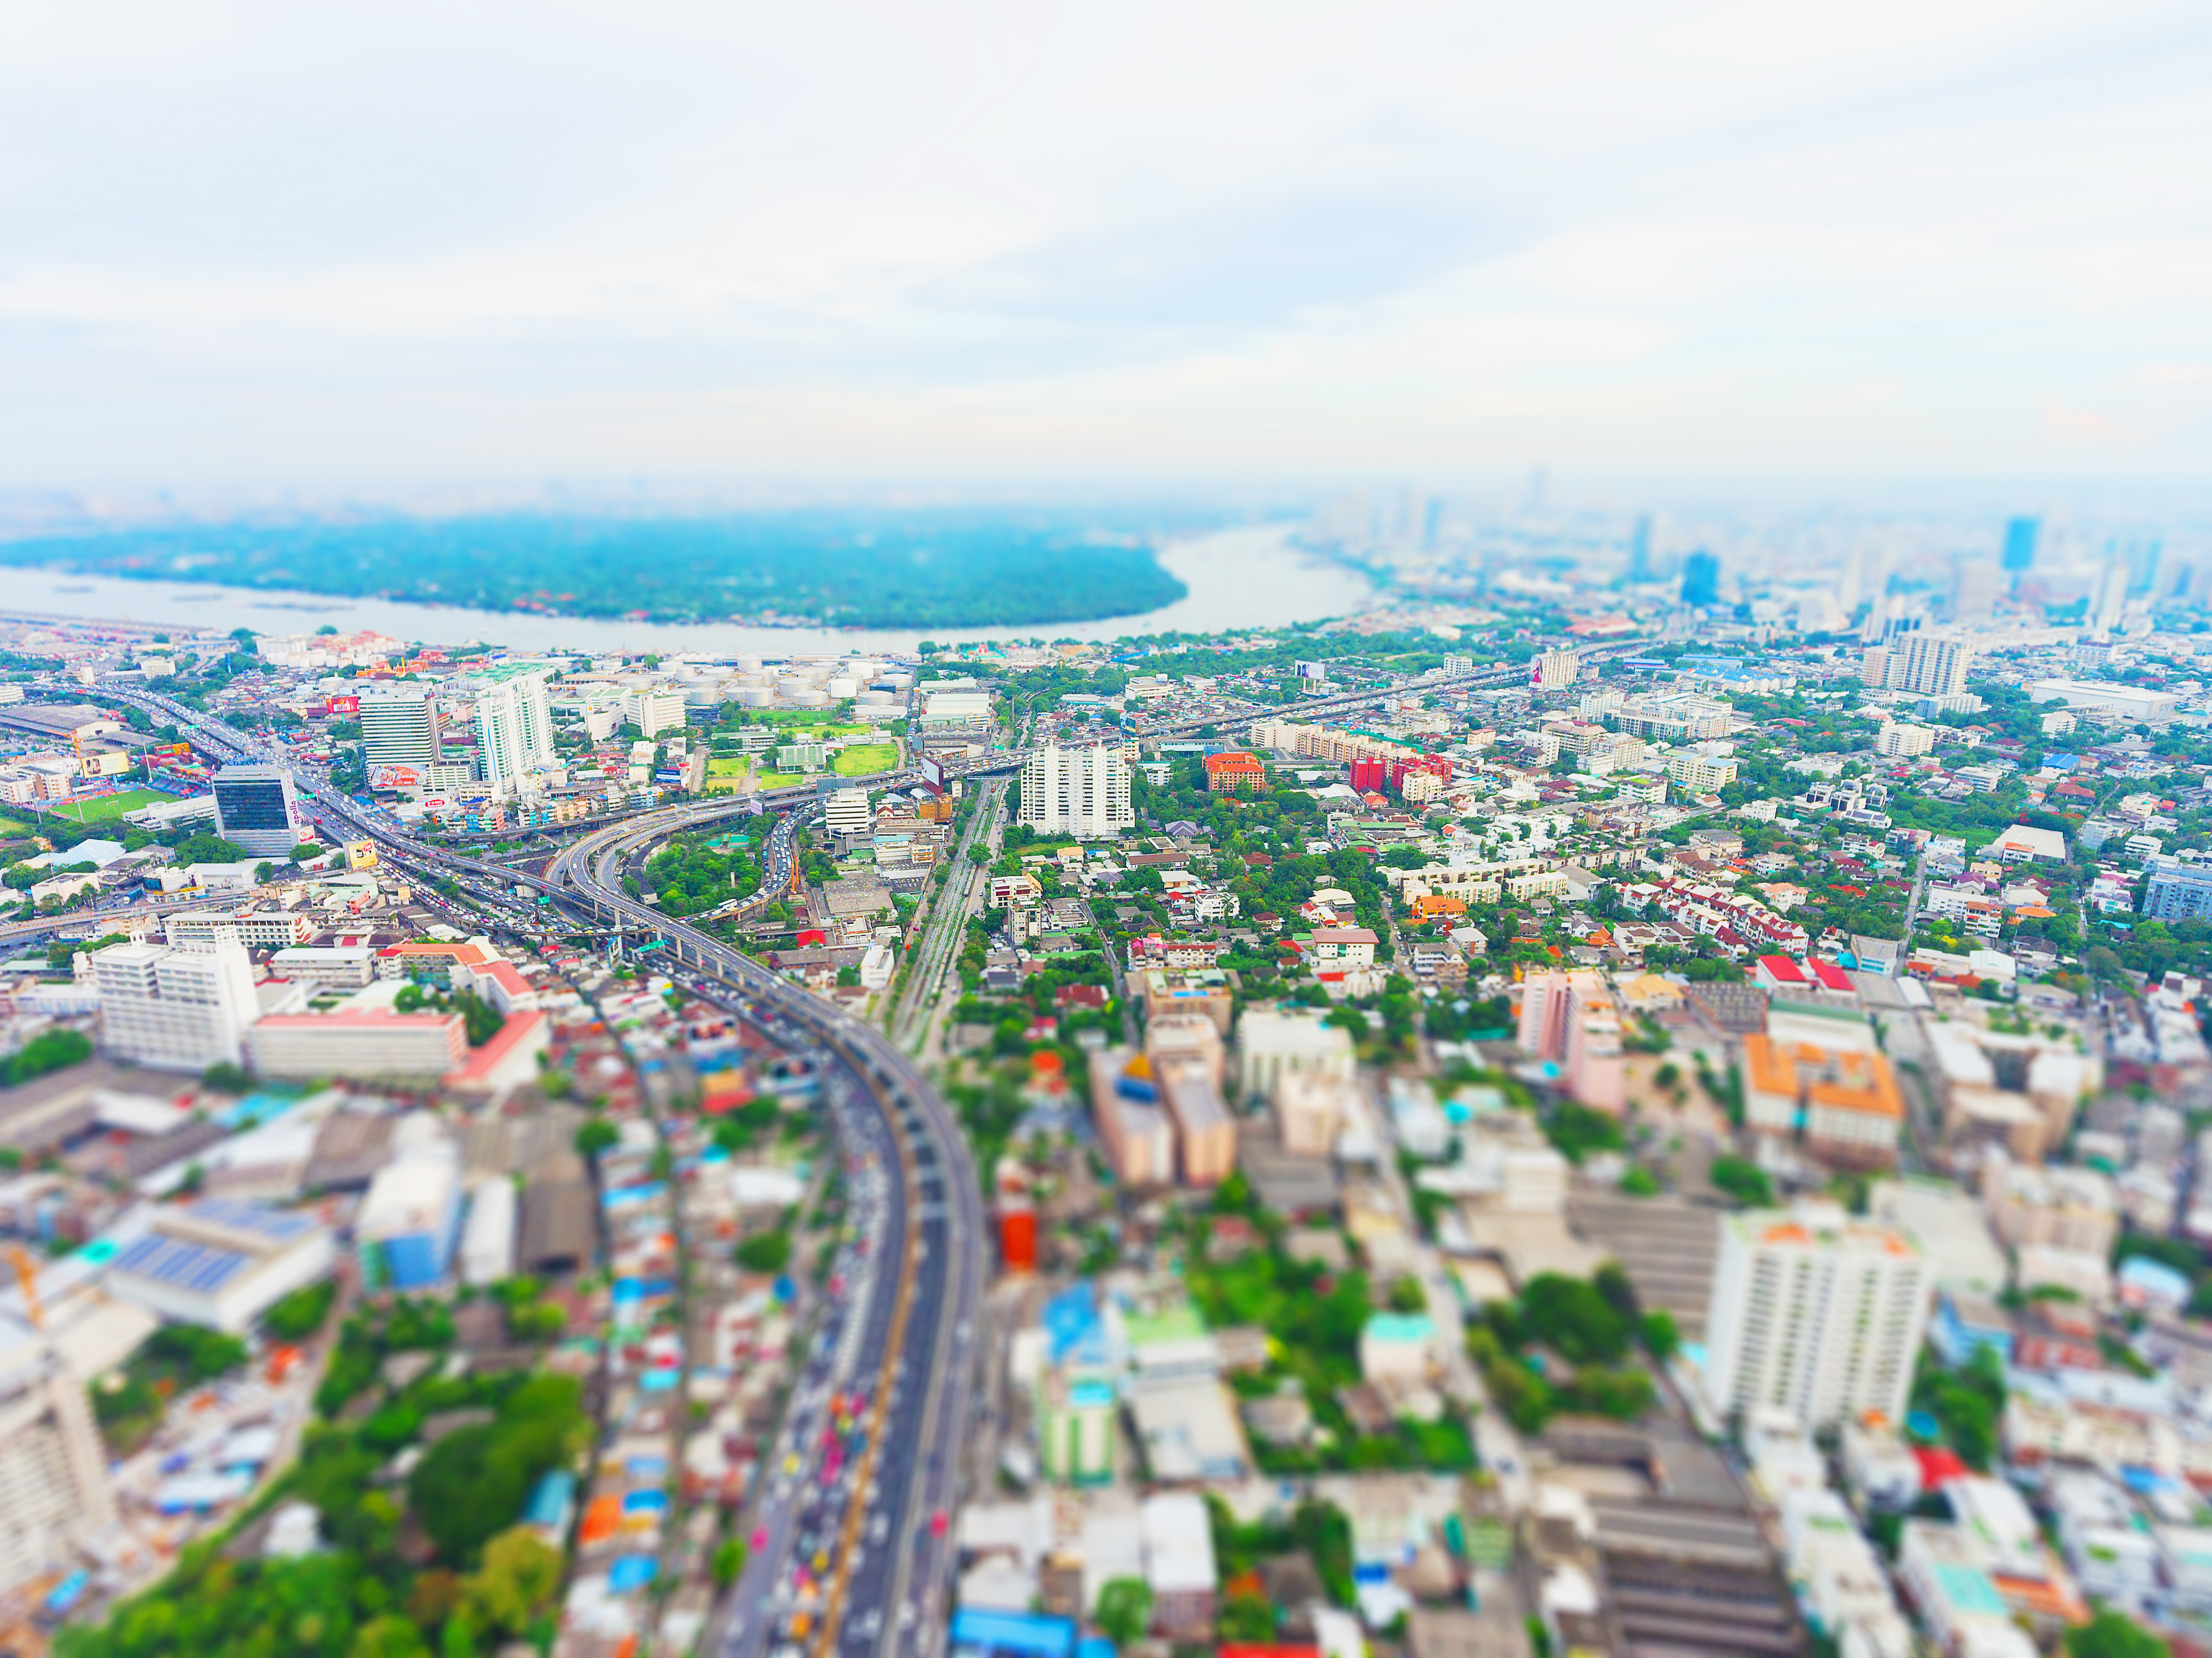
x: 1251, y: 577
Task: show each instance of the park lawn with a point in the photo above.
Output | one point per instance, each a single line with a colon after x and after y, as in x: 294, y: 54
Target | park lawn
x: 865, y: 758
x: 109, y: 807
x: 781, y: 780
x: 728, y: 765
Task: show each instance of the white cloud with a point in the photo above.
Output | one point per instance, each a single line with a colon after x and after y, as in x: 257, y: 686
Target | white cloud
x: 250, y: 243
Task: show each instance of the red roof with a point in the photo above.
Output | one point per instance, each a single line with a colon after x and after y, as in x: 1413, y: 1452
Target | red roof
x: 1781, y: 970
x: 1938, y: 1467
x: 519, y: 1030
x: 1832, y: 977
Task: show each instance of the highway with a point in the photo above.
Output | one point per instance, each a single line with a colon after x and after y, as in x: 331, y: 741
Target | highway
x: 909, y: 1335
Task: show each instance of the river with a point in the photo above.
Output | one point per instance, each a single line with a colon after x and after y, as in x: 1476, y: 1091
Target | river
x: 1251, y: 577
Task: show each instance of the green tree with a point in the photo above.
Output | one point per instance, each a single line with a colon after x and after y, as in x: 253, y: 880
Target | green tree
x: 1407, y: 1295
x: 1125, y: 1611
x: 2114, y: 1635
x: 765, y: 1252
x: 597, y: 1135
x: 519, y: 1573
x: 729, y: 1562
x: 1742, y: 1180
x: 388, y: 1636
x: 1662, y: 1339
x: 1249, y: 1618
x: 299, y: 1314
x: 226, y: 1078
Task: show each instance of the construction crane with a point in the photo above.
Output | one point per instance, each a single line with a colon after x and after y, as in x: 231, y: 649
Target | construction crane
x: 27, y: 1280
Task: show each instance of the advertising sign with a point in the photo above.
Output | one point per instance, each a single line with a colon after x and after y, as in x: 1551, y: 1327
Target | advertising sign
x: 395, y: 777
x: 933, y: 773
x: 342, y: 705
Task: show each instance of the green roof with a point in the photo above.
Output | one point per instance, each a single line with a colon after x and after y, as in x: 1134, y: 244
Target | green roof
x: 1180, y: 1322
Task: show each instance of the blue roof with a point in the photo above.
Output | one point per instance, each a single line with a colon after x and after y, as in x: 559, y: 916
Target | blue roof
x: 1026, y: 1632
x: 548, y: 1502
x: 1070, y: 1320
x: 195, y: 1266
x: 632, y: 1571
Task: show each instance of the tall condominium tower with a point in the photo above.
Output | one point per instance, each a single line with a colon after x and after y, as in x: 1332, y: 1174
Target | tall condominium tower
x: 1084, y: 793
x: 1815, y: 1314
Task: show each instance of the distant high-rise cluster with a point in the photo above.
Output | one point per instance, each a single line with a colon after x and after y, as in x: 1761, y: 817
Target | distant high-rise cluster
x: 1701, y: 579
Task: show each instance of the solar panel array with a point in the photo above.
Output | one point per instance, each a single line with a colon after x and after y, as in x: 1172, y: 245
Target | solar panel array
x: 195, y: 1266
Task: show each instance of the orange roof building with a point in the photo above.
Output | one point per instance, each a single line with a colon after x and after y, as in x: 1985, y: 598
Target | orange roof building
x: 1234, y: 773
x: 1843, y: 1098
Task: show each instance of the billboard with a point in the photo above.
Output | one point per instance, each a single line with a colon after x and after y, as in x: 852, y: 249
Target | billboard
x: 395, y: 777
x: 342, y: 705
x: 1313, y: 671
x: 933, y: 772
x: 360, y: 855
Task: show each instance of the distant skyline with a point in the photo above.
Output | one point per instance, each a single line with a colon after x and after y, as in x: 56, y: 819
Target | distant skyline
x: 247, y: 248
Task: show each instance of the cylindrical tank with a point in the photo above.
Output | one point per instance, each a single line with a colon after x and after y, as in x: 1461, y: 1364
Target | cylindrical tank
x: 841, y: 687
x: 754, y: 696
x: 806, y: 697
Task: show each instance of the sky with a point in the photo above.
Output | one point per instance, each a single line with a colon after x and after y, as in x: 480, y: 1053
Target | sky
x: 278, y: 248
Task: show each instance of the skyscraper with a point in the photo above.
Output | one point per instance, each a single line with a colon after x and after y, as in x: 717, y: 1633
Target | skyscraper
x: 1815, y: 1314
x: 256, y: 811
x: 1084, y: 793
x: 1639, y: 550
x: 1701, y: 579
x: 2021, y: 535
x: 514, y: 729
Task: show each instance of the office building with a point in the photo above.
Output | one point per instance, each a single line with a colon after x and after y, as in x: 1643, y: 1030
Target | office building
x: 2021, y: 536
x: 1819, y: 1069
x: 179, y: 1009
x: 654, y: 711
x: 2180, y: 889
x: 1701, y: 579
x: 54, y: 1494
x: 253, y: 929
x: 1815, y: 1314
x: 514, y: 729
x: 220, y: 1263
x: 1084, y: 793
x: 399, y: 728
x: 1569, y: 1019
x: 358, y: 1044
x: 256, y: 811
x: 846, y: 813
x: 1701, y: 773
x: 1639, y: 550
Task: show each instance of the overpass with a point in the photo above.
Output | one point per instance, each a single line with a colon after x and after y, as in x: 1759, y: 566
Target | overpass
x: 920, y: 1333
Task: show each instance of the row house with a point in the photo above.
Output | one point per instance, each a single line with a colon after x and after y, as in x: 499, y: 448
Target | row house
x: 1713, y: 912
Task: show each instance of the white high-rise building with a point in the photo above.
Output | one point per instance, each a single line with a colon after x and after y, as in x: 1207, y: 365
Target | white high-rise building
x: 256, y: 809
x: 54, y: 1494
x: 514, y: 730
x: 654, y: 711
x: 1929, y: 663
x: 1084, y: 793
x: 181, y: 1009
x: 1815, y: 1314
x: 398, y: 727
x: 1552, y: 671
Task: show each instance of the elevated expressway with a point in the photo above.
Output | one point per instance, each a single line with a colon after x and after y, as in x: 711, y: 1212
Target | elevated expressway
x: 889, y: 1597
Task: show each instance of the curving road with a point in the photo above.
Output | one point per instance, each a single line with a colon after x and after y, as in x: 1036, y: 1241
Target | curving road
x: 906, y: 1330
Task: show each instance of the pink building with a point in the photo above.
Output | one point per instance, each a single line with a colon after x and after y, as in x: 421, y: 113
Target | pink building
x: 1569, y: 1019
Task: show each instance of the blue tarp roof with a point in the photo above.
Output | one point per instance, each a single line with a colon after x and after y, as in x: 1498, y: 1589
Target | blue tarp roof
x: 1025, y: 1633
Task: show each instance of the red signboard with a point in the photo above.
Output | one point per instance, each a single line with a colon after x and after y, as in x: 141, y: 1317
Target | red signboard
x: 342, y: 705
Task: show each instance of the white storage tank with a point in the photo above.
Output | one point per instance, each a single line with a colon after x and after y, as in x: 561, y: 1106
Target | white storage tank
x: 807, y: 697
x: 842, y: 689
x: 488, y: 1235
x: 753, y: 696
